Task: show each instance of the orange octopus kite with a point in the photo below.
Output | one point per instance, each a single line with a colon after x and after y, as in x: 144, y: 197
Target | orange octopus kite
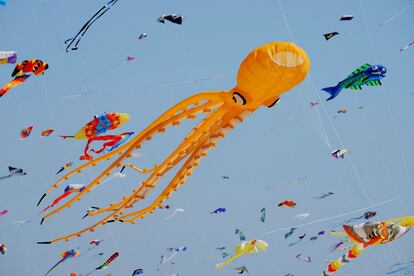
x: 266, y: 73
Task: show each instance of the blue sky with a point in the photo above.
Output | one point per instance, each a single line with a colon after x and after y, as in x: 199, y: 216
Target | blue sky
x: 272, y: 147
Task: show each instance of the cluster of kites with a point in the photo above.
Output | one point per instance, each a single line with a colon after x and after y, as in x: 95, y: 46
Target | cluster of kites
x: 267, y: 73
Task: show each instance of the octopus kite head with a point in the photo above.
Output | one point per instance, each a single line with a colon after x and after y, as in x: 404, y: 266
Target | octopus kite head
x: 268, y: 72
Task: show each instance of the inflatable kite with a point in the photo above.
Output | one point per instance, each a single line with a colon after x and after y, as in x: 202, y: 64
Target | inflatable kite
x: 105, y: 264
x: 26, y: 132
x: 77, y: 38
x: 65, y: 255
x: 369, y: 234
x: 251, y: 246
x: 268, y: 72
x: 114, y: 141
x: 13, y: 172
x: 21, y: 73
x: 8, y: 57
x: 364, y: 75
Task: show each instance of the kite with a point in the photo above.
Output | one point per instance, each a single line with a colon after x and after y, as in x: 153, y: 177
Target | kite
x: 176, y: 211
x: 303, y: 258
x: 226, y: 177
x: 21, y: 222
x: 130, y: 58
x: 65, y: 255
x: 64, y: 167
x: 14, y: 172
x: 406, y: 46
x: 364, y: 75
x: 241, y: 235
x: 287, y: 203
x: 96, y: 242
x: 263, y: 215
x: 314, y: 238
x: 218, y: 210
x: 2, y: 213
x: 71, y: 188
x: 35, y: 66
x: 335, y: 246
x: 3, y: 248
x: 241, y: 269
x: 369, y: 234
x: 98, y: 255
x: 175, y: 252
x: 346, y: 17
x: 312, y: 104
x: 395, y: 16
x: 7, y: 57
x: 93, y: 208
x: 398, y: 267
x: 114, y: 141
x: 267, y: 72
x: 342, y: 110
x: 142, y: 36
x: 366, y: 215
x: 221, y: 248
x: 105, y: 264
x: 46, y: 132
x: 25, y: 132
x: 246, y: 247
x: 302, y: 216
x: 290, y: 233
x: 174, y: 18
x: 99, y: 125
x: 77, y: 38
x: 323, y: 195
x: 300, y: 238
x: 330, y: 35
x: 138, y: 271
x: 340, y: 153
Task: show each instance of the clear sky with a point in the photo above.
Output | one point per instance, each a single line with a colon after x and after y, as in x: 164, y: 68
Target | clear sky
x: 272, y: 147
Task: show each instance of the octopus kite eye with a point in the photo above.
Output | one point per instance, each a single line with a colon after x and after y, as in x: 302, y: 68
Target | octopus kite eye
x: 238, y: 99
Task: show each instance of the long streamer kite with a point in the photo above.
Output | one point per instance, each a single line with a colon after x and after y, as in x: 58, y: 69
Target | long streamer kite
x: 77, y: 38
x: 105, y: 264
x: 65, y: 256
x: 71, y: 188
x: 369, y: 234
x: 268, y: 72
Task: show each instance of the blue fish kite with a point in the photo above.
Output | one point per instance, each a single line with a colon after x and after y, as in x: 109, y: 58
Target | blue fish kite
x: 364, y: 75
x: 219, y: 210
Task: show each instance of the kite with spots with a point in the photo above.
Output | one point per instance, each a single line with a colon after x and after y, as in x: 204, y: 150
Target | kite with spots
x: 287, y: 203
x: 251, y: 246
x: 21, y: 73
x: 77, y: 38
x: 369, y: 234
x: 65, y: 256
x: 364, y: 75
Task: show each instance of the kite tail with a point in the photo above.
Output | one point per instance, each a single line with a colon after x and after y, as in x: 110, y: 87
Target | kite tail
x: 405, y: 221
x: 4, y: 91
x: 333, y: 91
x: 346, y: 258
x: 57, y: 200
x: 226, y: 262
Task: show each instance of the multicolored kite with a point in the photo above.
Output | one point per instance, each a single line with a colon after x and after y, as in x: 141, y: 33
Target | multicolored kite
x: 7, y: 57
x: 287, y: 203
x: 65, y: 167
x: 114, y: 141
x: 71, y: 188
x: 3, y: 248
x: 65, y: 255
x: 46, y: 132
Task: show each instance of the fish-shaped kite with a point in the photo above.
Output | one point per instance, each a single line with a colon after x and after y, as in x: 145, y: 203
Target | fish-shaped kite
x: 364, y: 75
x: 251, y: 246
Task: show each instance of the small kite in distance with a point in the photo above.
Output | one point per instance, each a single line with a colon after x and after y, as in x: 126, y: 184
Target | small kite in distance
x: 330, y: 35
x: 142, y: 36
x: 340, y: 153
x: 174, y: 18
x: 346, y: 17
x: 65, y: 167
x: 14, y: 172
x: 287, y: 203
x: 25, y: 132
x: 218, y: 210
x: 3, y: 248
x: 46, y: 132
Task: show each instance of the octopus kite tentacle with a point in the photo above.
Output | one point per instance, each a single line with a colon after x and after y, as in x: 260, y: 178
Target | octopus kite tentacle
x: 266, y: 73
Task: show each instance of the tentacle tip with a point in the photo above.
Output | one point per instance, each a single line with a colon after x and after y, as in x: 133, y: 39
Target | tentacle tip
x: 40, y: 200
x: 43, y: 219
x: 44, y: 242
